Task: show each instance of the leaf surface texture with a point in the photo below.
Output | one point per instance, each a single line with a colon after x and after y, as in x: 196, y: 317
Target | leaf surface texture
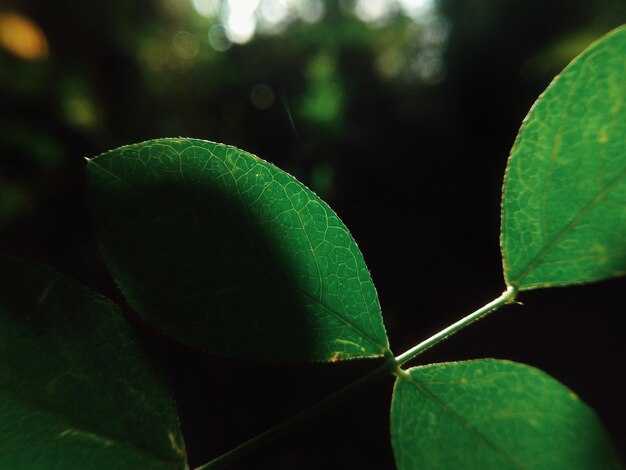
x: 493, y: 414
x: 75, y: 390
x: 228, y: 253
x: 564, y: 199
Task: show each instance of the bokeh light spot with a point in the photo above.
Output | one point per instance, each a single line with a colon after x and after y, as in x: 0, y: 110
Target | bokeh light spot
x: 274, y: 12
x: 240, y: 21
x: 218, y: 38
x: 310, y: 11
x: 262, y: 96
x: 207, y: 8
x: 416, y: 9
x: 80, y: 112
x: 390, y: 64
x: 373, y: 11
x: 185, y: 45
x: 22, y: 37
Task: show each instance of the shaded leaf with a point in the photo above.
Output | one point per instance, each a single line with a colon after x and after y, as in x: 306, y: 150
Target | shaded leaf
x: 564, y: 200
x: 493, y: 414
x: 226, y: 252
x: 75, y: 391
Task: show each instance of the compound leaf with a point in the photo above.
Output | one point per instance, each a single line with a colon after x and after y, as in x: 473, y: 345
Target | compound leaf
x: 75, y: 390
x: 564, y: 198
x: 226, y: 252
x: 493, y: 414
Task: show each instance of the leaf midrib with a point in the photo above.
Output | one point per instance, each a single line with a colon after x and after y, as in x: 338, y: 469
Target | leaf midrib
x: 256, y: 265
x: 568, y: 227
x: 488, y: 442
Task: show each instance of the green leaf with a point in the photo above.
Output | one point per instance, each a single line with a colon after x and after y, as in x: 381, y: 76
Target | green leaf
x: 489, y: 414
x: 226, y: 252
x: 564, y: 200
x: 75, y: 391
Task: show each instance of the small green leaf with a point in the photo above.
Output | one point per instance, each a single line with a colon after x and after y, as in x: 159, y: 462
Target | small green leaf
x: 75, y: 391
x: 564, y: 200
x: 226, y: 252
x: 491, y: 414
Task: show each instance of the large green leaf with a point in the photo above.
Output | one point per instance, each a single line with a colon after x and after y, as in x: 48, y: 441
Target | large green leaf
x: 490, y: 414
x: 564, y: 201
x: 75, y: 391
x: 226, y: 252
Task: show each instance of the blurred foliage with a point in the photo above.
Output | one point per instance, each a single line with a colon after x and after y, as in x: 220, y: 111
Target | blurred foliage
x: 322, y: 101
x: 89, y: 76
x: 375, y: 104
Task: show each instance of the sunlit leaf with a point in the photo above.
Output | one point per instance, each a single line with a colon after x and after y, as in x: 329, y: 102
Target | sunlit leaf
x: 226, y: 252
x: 490, y: 414
x: 75, y: 391
x: 564, y: 201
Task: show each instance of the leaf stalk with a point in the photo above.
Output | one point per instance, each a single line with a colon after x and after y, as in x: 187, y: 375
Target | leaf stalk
x: 392, y: 366
x: 507, y: 297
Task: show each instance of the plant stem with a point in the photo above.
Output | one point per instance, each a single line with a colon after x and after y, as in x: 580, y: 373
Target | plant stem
x: 391, y: 365
x: 295, y: 421
x: 507, y: 297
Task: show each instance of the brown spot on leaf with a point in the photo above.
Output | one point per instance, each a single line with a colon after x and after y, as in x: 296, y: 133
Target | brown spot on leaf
x: 335, y: 358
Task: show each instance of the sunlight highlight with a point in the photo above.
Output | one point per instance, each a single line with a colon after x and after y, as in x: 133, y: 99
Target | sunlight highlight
x: 207, y: 8
x: 239, y: 20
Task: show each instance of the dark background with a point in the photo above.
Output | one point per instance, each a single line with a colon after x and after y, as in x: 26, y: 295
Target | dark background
x: 402, y: 122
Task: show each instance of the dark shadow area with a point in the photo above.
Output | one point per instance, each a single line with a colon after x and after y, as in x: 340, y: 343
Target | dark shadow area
x: 195, y: 262
x: 224, y: 402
